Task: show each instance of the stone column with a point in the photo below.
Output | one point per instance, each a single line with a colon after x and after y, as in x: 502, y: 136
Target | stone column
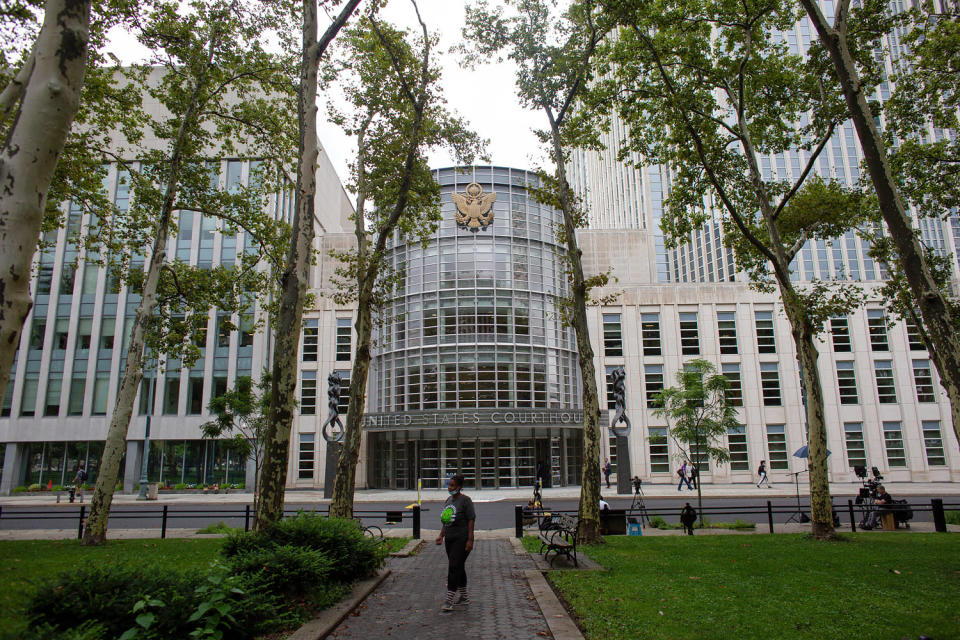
x: 11, y: 467
x: 131, y: 468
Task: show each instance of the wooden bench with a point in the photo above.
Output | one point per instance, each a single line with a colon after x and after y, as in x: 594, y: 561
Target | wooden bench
x: 558, y: 534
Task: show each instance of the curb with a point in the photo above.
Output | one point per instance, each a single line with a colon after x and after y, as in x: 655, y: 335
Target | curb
x: 410, y: 549
x: 561, y: 626
x: 321, y: 626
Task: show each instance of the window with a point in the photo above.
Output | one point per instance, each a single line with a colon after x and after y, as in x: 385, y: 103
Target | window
x: 28, y: 397
x: 84, y: 329
x: 840, y: 330
x: 653, y: 383
x: 913, y: 336
x: 727, y: 331
x: 886, y: 387
x: 37, y: 329
x: 171, y: 396
x: 343, y: 339
x: 310, y: 340
x: 612, y: 335
x: 148, y: 389
x: 650, y: 331
x: 777, y: 447
x: 766, y: 338
x: 770, y: 384
x: 877, y: 324
x: 52, y: 405
x: 923, y: 378
x: 223, y: 332
x: 610, y: 402
x: 106, y: 333
x: 7, y: 406
x: 246, y: 331
x: 735, y: 391
x: 659, y: 454
x: 689, y: 334
x: 344, y: 390
x: 308, y: 393
x: 737, y: 444
x: 893, y: 441
x: 195, y: 396
x: 933, y: 443
x: 101, y: 387
x: 847, y: 382
x: 305, y: 462
x: 856, y: 450
x: 75, y: 401
x: 61, y: 333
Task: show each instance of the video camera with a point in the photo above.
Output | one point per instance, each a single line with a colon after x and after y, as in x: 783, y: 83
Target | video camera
x: 869, y: 489
x: 637, y: 484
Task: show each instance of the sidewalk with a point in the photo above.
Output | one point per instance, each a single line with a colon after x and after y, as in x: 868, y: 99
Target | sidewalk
x: 315, y: 496
x: 407, y: 605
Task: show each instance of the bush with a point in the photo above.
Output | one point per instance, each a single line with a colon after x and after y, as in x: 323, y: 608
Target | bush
x: 284, y: 570
x: 351, y: 554
x: 35, y: 487
x: 220, y: 527
x: 180, y: 486
x: 952, y: 517
x: 20, y: 489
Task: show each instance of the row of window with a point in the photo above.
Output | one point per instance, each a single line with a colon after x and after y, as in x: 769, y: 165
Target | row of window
x: 727, y: 333
x: 653, y: 383
x: 778, y: 456
x: 342, y: 340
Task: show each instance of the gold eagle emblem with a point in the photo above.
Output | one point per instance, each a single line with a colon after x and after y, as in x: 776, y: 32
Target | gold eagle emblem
x: 474, y: 208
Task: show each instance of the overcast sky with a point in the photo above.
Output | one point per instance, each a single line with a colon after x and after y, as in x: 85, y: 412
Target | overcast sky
x: 485, y: 96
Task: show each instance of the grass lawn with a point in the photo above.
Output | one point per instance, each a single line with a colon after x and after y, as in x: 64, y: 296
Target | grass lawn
x: 26, y: 563
x: 396, y: 544
x: 871, y: 585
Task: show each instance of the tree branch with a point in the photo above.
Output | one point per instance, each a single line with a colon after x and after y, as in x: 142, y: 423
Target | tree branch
x: 12, y: 93
x: 806, y: 170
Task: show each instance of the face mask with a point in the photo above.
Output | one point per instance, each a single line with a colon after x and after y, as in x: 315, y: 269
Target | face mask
x: 453, y: 492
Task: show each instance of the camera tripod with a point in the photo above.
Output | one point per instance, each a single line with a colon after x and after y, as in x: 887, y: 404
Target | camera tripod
x: 639, y: 505
x: 799, y: 515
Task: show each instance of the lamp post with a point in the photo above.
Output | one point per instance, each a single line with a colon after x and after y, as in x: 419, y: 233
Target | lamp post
x: 146, y: 447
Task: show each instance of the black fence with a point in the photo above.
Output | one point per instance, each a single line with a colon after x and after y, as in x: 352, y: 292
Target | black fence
x: 800, y: 513
x: 165, y: 514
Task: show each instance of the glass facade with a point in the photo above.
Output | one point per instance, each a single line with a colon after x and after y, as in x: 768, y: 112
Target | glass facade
x: 475, y: 324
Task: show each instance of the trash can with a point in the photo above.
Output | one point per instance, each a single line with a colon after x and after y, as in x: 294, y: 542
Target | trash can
x: 153, y: 490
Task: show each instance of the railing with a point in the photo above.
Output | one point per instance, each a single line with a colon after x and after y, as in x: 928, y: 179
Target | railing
x: 937, y: 507
x: 166, y: 514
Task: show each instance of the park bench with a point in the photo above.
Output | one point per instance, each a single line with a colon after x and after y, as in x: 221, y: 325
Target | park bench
x: 558, y: 534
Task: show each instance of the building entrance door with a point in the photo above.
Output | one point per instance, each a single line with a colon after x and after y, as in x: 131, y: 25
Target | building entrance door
x: 543, y: 461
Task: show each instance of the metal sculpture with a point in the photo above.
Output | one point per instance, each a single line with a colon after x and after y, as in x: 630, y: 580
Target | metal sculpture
x: 336, y: 432
x: 617, y: 377
x: 474, y: 208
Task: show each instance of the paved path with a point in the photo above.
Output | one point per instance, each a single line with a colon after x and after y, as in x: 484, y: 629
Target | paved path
x: 407, y: 604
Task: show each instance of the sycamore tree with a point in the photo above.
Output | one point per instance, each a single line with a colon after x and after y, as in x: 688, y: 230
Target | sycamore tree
x: 221, y: 94
x: 923, y: 108
x: 706, y: 88
x: 295, y: 275
x: 921, y: 173
x: 699, y: 416
x: 397, y: 114
x: 553, y: 53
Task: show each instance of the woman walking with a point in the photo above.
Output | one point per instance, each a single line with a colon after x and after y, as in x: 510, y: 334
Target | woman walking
x: 457, y: 519
x: 762, y: 474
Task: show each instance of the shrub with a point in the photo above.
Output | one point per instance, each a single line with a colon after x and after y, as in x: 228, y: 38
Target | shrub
x: 952, y: 517
x: 180, y: 486
x: 20, y: 489
x: 107, y: 593
x: 352, y: 555
x: 220, y: 527
x: 35, y: 487
x: 283, y: 570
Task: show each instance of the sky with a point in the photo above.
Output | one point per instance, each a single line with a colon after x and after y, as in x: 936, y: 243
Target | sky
x: 484, y: 96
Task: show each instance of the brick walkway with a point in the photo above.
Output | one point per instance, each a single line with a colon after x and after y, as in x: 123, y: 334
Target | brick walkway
x: 407, y: 604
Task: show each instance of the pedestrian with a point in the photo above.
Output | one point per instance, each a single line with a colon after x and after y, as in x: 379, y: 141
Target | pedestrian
x: 682, y: 472
x: 79, y: 478
x: 693, y: 475
x: 457, y: 518
x: 762, y: 475
x: 688, y: 516
x: 607, y: 470
x: 604, y: 505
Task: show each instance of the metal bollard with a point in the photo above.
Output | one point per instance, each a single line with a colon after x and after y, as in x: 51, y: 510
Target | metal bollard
x: 770, y: 515
x: 246, y: 519
x: 853, y: 519
x: 163, y: 526
x: 83, y: 514
x: 416, y: 522
x: 518, y: 520
x: 939, y: 517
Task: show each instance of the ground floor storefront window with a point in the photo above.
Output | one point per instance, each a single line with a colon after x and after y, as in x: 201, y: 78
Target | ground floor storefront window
x: 487, y: 458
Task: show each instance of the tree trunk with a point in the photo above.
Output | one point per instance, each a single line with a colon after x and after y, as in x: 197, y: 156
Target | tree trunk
x: 588, y: 513
x: 341, y: 506
x: 821, y: 509
x: 50, y: 95
x: 933, y: 304
x: 697, y: 476
x: 95, y: 531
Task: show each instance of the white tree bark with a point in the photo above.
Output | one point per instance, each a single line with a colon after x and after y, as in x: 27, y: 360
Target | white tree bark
x: 49, y: 88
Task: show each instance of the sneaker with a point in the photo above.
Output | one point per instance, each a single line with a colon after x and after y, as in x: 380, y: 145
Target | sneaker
x: 446, y: 608
x: 463, y: 599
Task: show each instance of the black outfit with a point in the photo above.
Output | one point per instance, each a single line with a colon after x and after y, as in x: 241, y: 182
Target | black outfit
x: 455, y: 537
x: 607, y: 470
x: 688, y: 516
x: 880, y: 509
